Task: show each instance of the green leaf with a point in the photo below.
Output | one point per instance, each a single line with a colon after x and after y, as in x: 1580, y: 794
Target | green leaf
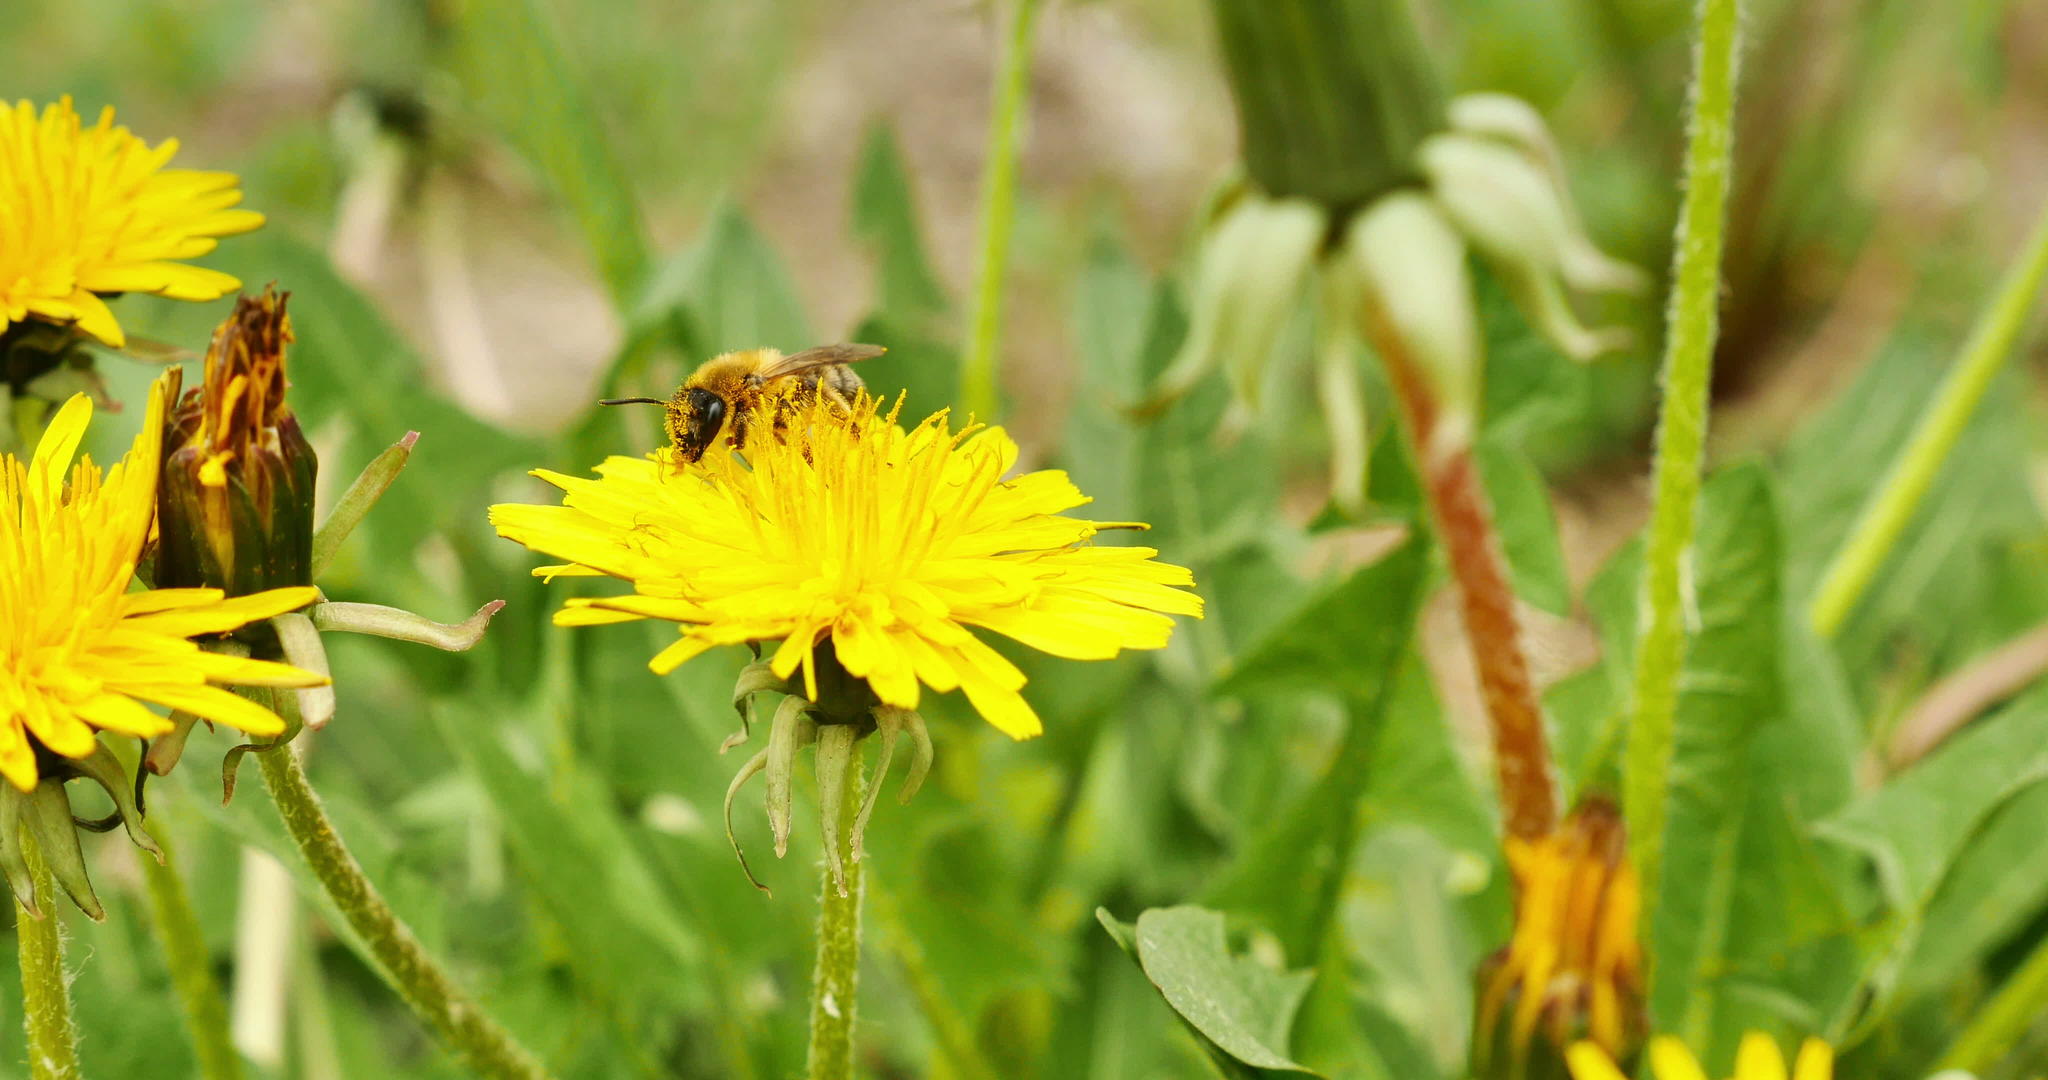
x: 1729, y: 687
x: 1343, y: 639
x: 1350, y: 640
x: 737, y: 292
x: 1526, y: 524
x: 1997, y: 885
x: 1242, y: 1009
x: 924, y: 370
x: 1112, y: 306
x: 590, y: 878
x: 1914, y: 829
x: 511, y: 65
x: 1945, y: 591
x: 885, y: 221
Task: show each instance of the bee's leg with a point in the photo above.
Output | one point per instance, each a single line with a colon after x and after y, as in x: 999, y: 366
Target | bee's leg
x: 842, y: 383
x: 737, y: 429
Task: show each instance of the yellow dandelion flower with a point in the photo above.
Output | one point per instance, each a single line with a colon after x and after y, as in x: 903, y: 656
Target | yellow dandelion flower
x: 88, y: 211
x: 885, y: 543
x: 78, y: 650
x: 1574, y: 963
x: 1758, y: 1059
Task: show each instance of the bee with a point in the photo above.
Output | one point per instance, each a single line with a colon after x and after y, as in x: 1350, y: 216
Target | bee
x: 734, y: 391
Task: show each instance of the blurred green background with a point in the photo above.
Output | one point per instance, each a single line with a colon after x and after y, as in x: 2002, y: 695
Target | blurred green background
x: 492, y: 212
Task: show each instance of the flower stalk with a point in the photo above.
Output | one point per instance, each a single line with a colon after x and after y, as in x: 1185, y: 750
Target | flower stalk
x: 483, y: 1045
x: 998, y: 215
x: 184, y: 947
x: 835, y: 977
x: 1999, y: 1025
x: 1694, y: 322
x: 45, y: 992
x: 1464, y: 525
x: 1890, y: 509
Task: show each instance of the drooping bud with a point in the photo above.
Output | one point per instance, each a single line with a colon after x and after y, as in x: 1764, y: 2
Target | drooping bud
x: 1510, y: 120
x: 1510, y: 205
x: 1247, y: 283
x: 1573, y: 969
x: 1413, y: 291
x: 236, y: 499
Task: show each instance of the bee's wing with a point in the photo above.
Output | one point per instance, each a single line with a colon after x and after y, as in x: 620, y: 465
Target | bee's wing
x: 823, y: 356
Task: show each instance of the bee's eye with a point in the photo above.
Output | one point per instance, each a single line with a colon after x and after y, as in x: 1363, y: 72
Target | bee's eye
x: 710, y: 412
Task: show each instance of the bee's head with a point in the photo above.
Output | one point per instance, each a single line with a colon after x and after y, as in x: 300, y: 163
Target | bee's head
x: 697, y: 418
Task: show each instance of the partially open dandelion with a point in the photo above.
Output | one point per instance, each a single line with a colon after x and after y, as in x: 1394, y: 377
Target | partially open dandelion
x: 1757, y: 1059
x: 81, y: 653
x: 1573, y: 969
x: 86, y: 212
x: 859, y: 545
x: 238, y: 472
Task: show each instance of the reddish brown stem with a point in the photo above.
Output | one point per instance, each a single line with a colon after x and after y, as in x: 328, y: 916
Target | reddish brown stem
x: 1464, y: 525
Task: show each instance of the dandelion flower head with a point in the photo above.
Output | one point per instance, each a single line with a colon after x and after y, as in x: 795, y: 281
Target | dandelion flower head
x: 79, y: 651
x: 846, y: 529
x: 90, y: 211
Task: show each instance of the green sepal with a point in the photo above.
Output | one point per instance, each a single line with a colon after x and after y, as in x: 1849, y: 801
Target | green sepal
x: 49, y: 824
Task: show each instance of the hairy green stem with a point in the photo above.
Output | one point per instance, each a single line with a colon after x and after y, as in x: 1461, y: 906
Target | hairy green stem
x: 998, y: 213
x: 485, y: 1047
x: 835, y: 980
x: 1694, y: 322
x: 1999, y: 1025
x: 191, y: 965
x: 45, y: 992
x: 1892, y: 504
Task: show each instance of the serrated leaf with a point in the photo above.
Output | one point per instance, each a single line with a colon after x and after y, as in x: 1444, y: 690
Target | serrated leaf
x: 1728, y: 687
x: 1343, y: 639
x: 1998, y: 884
x: 1348, y: 641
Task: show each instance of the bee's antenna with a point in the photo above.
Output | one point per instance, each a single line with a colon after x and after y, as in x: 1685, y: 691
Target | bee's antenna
x: 631, y: 401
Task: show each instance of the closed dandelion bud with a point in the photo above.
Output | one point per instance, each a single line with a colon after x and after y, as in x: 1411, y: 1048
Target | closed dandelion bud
x: 1573, y: 970
x: 1515, y: 212
x: 1412, y: 288
x: 237, y: 489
